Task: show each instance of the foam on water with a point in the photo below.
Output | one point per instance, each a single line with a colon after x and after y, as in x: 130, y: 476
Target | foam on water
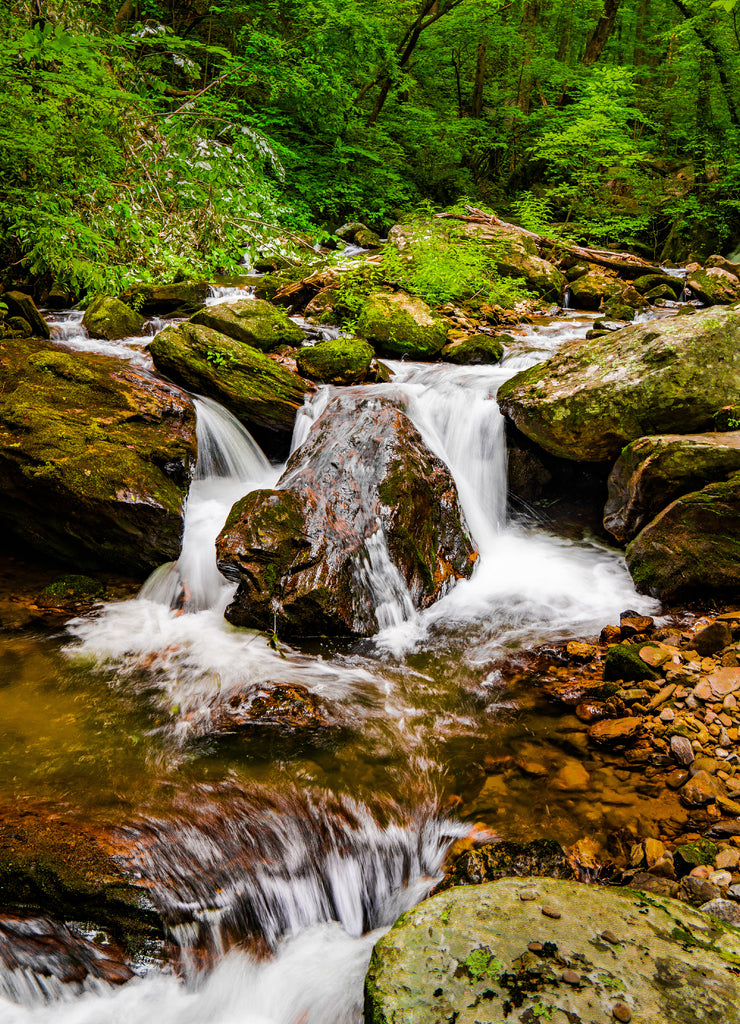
x: 67, y: 330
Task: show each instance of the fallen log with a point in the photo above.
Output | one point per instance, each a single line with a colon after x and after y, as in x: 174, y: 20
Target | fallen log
x: 625, y: 263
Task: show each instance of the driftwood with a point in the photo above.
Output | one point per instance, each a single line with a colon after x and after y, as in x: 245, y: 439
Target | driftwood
x: 623, y: 262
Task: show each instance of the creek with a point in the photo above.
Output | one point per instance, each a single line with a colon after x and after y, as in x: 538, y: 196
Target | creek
x: 315, y: 846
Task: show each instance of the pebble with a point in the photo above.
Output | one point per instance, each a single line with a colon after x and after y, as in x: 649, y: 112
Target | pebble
x: 622, y: 1013
x: 571, y: 978
x: 535, y: 947
x: 609, y: 936
x: 682, y: 750
x: 552, y: 912
x: 667, y: 715
x: 527, y: 894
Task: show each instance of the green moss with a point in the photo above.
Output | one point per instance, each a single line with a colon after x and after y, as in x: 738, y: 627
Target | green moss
x: 624, y: 662
x: 73, y: 586
x: 339, y: 361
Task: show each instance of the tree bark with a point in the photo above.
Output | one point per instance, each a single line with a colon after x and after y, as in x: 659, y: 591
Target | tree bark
x: 476, y: 106
x: 719, y: 60
x: 600, y: 36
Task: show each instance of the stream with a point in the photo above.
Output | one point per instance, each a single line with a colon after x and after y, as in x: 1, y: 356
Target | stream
x: 316, y: 846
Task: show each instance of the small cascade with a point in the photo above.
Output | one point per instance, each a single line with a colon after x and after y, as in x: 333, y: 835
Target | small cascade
x: 156, y: 324
x: 68, y: 331
x: 220, y: 294
x: 67, y: 325
x: 567, y: 299
x: 390, y: 596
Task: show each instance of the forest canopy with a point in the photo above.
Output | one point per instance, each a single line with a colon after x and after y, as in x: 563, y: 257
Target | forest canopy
x: 169, y: 138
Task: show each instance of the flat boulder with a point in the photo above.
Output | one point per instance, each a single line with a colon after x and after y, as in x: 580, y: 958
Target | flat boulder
x: 401, y: 325
x: 253, y: 322
x: 95, y: 458
x: 179, y: 299
x: 714, y: 285
x: 363, y: 527
x: 692, y: 548
x: 542, y: 949
x: 652, y: 471
x: 256, y: 389
x: 108, y: 317
x: 594, y: 397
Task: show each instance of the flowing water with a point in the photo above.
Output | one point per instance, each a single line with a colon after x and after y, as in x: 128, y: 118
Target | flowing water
x: 310, y: 848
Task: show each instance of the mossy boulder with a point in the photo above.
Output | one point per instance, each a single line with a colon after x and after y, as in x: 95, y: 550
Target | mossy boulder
x: 715, y: 286
x: 256, y: 389
x: 401, y: 325
x: 648, y: 282
x: 95, y: 458
x: 21, y: 305
x: 491, y: 861
x: 624, y: 662
x: 108, y: 317
x: 337, y: 361
x: 692, y: 548
x: 474, y: 350
x: 364, y: 518
x: 253, y: 322
x: 72, y: 591
x: 595, y: 396
x: 652, y: 471
x: 179, y: 299
x: 596, y: 288
x: 531, y: 950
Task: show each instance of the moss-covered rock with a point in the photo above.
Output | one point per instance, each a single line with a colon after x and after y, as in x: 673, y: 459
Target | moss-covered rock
x: 692, y: 548
x: 311, y: 555
x: 474, y: 350
x: 21, y: 305
x: 715, y: 286
x: 594, y: 397
x: 491, y: 861
x: 594, y: 288
x: 624, y: 662
x: 648, y: 282
x: 95, y: 458
x: 653, y: 471
x: 107, y: 317
x: 72, y: 591
x: 337, y: 361
x: 601, y: 955
x: 401, y: 325
x: 252, y: 386
x: 179, y: 299
x: 253, y: 322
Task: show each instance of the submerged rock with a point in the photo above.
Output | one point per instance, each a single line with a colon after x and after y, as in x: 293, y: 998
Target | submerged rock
x: 252, y: 386
x: 95, y: 458
x: 337, y: 361
x: 283, y: 708
x: 401, y: 325
x: 692, y: 548
x: 253, y: 322
x: 652, y: 471
x: 364, y: 514
x: 496, y: 952
x: 110, y: 318
x: 488, y: 862
x: 594, y: 397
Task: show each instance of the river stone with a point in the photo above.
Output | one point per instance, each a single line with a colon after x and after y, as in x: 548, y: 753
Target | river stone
x: 462, y: 955
x: 490, y: 861
x: 648, y: 282
x: 594, y: 288
x: 95, y: 458
x: 474, y: 350
x: 21, y: 305
x: 337, y: 361
x: 682, y: 750
x: 256, y: 389
x: 692, y: 548
x: 714, y: 285
x: 310, y: 556
x: 594, y: 397
x: 701, y: 789
x: 623, y: 662
x: 615, y: 732
x: 251, y: 321
x: 108, y: 317
x: 652, y: 471
x: 712, y: 639
x: 179, y: 299
x: 401, y: 325
x: 726, y: 910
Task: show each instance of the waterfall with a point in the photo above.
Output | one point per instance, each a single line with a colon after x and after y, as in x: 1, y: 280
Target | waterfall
x: 219, y: 294
x: 567, y: 298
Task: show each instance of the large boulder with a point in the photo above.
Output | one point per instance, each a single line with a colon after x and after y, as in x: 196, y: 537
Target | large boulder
x: 538, y: 949
x: 401, y: 325
x: 595, y: 396
x: 22, y: 306
x: 256, y: 389
x: 474, y: 350
x: 595, y: 288
x: 714, y: 285
x: 337, y: 361
x: 692, y: 548
x: 180, y: 299
x: 95, y: 458
x: 107, y: 317
x: 253, y: 322
x: 364, y: 519
x: 652, y: 471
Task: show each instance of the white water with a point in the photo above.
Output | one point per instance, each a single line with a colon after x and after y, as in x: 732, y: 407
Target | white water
x: 67, y: 330
x: 220, y: 294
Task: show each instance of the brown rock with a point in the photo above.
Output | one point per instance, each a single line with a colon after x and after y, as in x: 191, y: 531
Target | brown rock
x: 712, y: 638
x: 615, y: 732
x: 590, y: 711
x: 682, y: 750
x: 610, y: 635
x: 571, y: 978
x: 701, y: 789
x: 636, y: 624
x: 579, y: 651
x: 622, y: 1013
x: 724, y: 681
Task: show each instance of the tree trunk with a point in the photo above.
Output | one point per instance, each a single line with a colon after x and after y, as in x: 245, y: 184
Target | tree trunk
x: 601, y: 33
x: 719, y: 60
x: 476, y: 105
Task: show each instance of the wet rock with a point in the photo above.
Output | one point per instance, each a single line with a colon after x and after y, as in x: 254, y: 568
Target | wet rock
x: 725, y: 910
x: 652, y: 471
x: 257, y: 390
x: 697, y: 891
x: 688, y: 856
x: 595, y: 288
x: 594, y: 397
x: 474, y: 350
x: 712, y: 639
x: 72, y: 592
x: 23, y: 306
x: 692, y: 548
x: 401, y: 325
x: 682, y: 750
x: 701, y: 789
x: 647, y: 881
x: 251, y: 321
x: 615, y: 732
x: 631, y: 624
x: 320, y: 553
x: 486, y: 863
x: 107, y: 317
x: 459, y: 956
x: 624, y: 662
x: 103, y: 444
x: 339, y: 361
x: 714, y: 285
x: 285, y: 708
x: 179, y: 299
